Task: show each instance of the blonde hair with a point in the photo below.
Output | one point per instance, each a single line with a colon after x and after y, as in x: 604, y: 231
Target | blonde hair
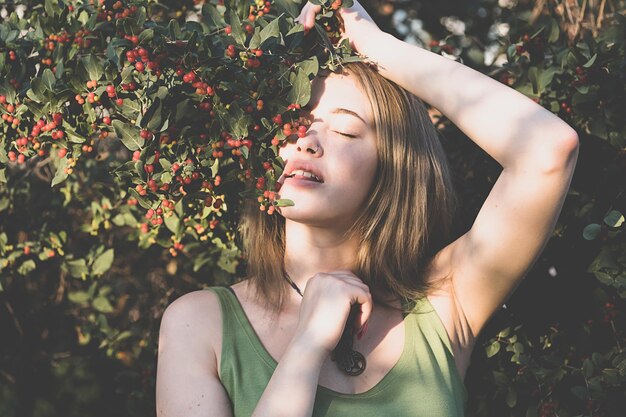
x: 407, y: 218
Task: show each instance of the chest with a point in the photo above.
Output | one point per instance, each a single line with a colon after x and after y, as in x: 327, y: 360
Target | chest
x: 382, y: 346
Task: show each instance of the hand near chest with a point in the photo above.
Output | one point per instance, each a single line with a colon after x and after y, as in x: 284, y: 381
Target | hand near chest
x: 326, y: 304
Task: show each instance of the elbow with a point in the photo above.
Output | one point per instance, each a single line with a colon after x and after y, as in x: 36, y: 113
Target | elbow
x: 565, y: 153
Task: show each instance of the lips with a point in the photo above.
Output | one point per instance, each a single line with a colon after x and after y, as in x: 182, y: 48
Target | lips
x: 296, y: 165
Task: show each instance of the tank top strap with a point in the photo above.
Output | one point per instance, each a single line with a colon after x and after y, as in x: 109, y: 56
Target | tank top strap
x: 233, y: 316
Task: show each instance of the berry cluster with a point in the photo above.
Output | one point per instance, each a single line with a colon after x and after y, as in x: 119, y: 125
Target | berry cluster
x: 140, y: 57
x: 259, y: 9
x: 11, y: 110
x: 581, y: 77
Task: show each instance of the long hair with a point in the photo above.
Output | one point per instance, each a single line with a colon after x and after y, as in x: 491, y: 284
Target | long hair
x: 407, y: 218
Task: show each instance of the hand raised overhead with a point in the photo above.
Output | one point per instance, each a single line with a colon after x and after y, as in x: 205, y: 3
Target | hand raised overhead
x: 357, y: 24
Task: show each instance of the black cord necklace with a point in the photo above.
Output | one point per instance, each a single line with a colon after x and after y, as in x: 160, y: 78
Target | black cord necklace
x: 348, y: 360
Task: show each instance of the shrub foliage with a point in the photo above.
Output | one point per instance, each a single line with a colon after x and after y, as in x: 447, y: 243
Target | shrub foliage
x: 133, y: 131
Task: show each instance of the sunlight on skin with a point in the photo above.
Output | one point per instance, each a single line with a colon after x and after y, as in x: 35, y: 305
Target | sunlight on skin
x: 322, y: 212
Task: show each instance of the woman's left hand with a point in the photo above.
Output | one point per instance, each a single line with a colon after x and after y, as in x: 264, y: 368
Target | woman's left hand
x: 358, y: 25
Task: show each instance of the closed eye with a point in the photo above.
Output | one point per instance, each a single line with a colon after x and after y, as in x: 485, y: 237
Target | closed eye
x: 345, y: 134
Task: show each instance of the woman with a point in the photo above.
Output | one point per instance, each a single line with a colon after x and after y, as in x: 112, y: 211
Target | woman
x: 370, y: 231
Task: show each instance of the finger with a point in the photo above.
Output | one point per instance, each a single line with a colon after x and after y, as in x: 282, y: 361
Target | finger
x: 365, y: 299
x: 310, y: 16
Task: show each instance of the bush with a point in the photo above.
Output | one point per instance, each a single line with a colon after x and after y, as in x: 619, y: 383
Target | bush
x: 132, y: 133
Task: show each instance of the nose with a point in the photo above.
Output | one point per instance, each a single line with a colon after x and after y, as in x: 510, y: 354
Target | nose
x: 309, y: 144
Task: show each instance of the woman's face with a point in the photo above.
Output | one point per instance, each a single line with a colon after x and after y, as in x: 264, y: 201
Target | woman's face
x: 347, y: 164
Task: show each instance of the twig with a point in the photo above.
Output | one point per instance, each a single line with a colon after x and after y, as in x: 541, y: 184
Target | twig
x: 569, y: 12
x: 537, y: 10
x: 61, y: 289
x: 17, y: 323
x: 580, y: 18
x: 601, y: 14
x: 8, y: 376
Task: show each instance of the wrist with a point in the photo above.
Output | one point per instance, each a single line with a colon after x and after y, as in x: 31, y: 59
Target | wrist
x: 302, y: 348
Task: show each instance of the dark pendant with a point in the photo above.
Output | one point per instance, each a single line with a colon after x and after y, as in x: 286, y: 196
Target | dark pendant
x: 349, y: 360
x: 353, y: 363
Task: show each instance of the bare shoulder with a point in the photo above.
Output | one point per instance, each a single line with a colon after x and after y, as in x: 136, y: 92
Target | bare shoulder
x: 196, y: 314
x: 187, y: 376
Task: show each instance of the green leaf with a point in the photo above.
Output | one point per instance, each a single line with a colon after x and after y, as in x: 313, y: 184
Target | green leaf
x: 166, y: 177
x: 143, y: 202
x: 146, y: 35
x: 60, y: 175
x: 614, y: 219
x: 587, y: 368
x: 505, y: 332
x: 26, y: 267
x: 288, y: 6
x: 533, y: 77
x: 152, y: 118
x: 284, y: 202
x: 555, y: 31
x: 94, y: 67
x: 492, y: 349
x: 72, y: 136
x: 591, y: 231
x: 271, y: 30
x: 77, y: 268
x: 102, y: 305
x: 255, y: 40
x: 236, y: 29
x: 301, y: 88
x: 213, y: 17
x: 511, y: 398
x: 590, y: 62
x: 215, y: 167
x: 129, y: 135
x: 48, y: 79
x: 52, y: 8
x: 78, y: 297
x: 545, y: 78
x: 172, y: 223
x: 103, y: 262
x: 310, y: 66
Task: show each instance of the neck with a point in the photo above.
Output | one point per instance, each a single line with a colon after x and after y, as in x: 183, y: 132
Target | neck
x: 311, y: 249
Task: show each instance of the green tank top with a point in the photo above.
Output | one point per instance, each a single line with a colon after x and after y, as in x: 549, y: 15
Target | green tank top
x: 424, y: 382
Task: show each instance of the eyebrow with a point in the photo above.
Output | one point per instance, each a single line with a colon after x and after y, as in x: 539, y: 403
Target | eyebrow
x: 341, y: 110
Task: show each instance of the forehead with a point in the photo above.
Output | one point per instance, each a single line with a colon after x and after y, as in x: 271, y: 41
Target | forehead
x: 338, y: 91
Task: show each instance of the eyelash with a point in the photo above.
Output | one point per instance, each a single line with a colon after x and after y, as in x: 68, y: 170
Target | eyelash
x: 345, y: 134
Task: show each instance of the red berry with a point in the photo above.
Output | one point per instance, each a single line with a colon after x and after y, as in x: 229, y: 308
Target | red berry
x: 139, y: 66
x: 58, y: 118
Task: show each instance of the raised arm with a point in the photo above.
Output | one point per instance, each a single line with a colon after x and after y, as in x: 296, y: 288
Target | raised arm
x: 537, y: 150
